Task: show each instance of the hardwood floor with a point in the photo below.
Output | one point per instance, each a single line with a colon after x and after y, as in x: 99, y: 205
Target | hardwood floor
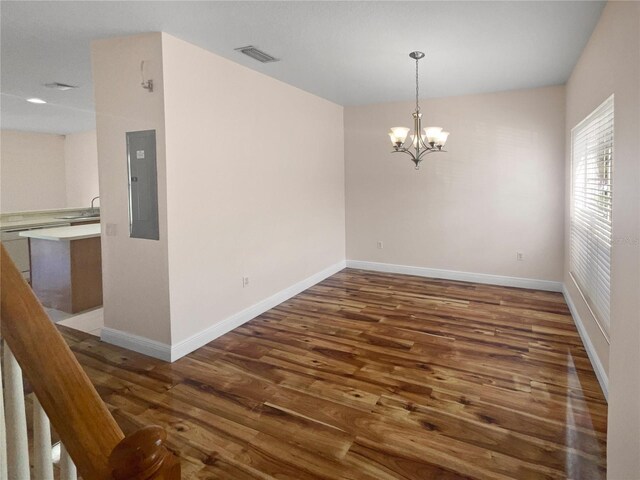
x: 374, y: 376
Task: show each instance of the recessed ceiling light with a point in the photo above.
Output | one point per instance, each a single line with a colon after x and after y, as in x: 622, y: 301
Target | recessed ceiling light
x: 60, y: 86
x: 35, y: 100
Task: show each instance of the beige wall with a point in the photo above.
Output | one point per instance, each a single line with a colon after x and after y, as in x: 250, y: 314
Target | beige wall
x: 135, y: 271
x: 255, y: 180
x: 32, y: 171
x: 42, y: 171
x: 610, y: 64
x: 81, y: 168
x: 497, y: 191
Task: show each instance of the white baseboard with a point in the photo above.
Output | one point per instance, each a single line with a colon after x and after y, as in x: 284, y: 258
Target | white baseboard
x: 603, y: 379
x: 460, y: 276
x: 196, y: 341
x: 171, y: 353
x: 136, y: 343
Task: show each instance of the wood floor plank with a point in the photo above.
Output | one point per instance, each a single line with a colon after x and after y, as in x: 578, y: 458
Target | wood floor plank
x: 374, y: 376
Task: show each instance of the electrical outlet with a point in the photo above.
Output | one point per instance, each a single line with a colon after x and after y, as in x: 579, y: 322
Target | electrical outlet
x: 380, y: 244
x: 520, y: 256
x: 245, y: 281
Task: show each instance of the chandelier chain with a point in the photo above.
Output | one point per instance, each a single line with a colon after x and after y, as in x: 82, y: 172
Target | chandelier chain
x: 417, y: 87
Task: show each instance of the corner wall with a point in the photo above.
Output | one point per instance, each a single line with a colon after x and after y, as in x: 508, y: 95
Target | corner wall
x: 81, y: 167
x: 135, y: 275
x: 610, y: 64
x: 255, y: 182
x: 494, y: 193
x: 251, y: 185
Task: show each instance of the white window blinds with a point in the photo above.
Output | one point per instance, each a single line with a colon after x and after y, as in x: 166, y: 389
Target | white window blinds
x: 590, y: 238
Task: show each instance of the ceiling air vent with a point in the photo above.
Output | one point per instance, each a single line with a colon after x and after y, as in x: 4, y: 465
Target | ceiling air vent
x: 60, y: 86
x: 256, y: 54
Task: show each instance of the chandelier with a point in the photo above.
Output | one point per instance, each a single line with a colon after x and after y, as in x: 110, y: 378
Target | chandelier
x: 431, y: 141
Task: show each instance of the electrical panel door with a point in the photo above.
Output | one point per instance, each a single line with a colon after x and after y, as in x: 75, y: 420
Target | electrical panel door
x: 143, y: 185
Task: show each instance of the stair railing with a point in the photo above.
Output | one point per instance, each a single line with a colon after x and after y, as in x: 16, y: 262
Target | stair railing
x: 91, y: 440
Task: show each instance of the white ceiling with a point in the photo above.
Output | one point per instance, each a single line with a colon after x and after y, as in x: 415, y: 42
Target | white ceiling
x: 348, y: 52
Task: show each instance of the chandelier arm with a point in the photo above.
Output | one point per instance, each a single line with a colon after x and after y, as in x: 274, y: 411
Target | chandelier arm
x: 413, y: 157
x: 417, y: 125
x: 402, y: 150
x: 427, y: 152
x: 422, y: 146
x: 433, y: 150
x: 425, y: 145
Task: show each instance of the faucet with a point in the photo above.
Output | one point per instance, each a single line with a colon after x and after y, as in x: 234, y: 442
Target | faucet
x: 93, y: 210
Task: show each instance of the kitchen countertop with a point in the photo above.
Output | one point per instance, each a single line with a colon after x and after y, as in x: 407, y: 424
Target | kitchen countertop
x: 76, y: 232
x: 24, y: 220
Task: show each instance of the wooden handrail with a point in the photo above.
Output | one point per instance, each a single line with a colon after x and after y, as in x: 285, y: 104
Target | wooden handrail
x: 142, y: 456
x: 76, y: 411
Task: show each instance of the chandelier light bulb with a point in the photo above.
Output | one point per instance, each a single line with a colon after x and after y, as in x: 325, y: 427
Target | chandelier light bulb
x: 442, y: 138
x: 432, y: 133
x: 400, y: 133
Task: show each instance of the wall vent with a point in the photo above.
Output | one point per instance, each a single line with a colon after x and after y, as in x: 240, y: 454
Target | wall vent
x: 256, y: 54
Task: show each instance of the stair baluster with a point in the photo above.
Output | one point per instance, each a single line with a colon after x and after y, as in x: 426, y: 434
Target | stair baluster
x: 4, y: 475
x: 42, y: 461
x: 15, y: 419
x: 67, y: 467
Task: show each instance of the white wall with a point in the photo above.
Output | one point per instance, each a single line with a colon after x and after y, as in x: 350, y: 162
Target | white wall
x: 81, y: 168
x: 135, y: 271
x: 32, y: 171
x: 255, y: 180
x: 610, y: 64
x: 498, y: 190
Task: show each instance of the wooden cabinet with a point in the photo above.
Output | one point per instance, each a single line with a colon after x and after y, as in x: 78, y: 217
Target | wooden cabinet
x: 18, y: 247
x: 66, y: 266
x: 67, y: 275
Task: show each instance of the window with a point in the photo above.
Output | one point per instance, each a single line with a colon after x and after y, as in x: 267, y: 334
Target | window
x: 590, y: 245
